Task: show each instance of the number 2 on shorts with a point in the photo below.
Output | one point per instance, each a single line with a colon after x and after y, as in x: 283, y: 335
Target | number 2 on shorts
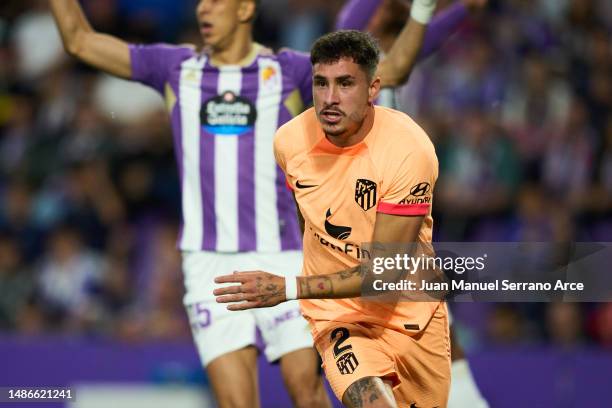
x: 344, y: 335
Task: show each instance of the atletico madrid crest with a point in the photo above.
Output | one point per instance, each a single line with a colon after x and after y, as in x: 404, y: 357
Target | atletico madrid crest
x: 347, y: 363
x: 365, y: 193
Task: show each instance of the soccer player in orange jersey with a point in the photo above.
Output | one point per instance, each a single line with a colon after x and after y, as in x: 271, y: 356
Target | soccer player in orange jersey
x: 356, y: 170
x: 225, y: 101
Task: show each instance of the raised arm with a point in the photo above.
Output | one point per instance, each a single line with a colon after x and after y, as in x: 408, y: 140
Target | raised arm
x: 356, y: 14
x: 101, y: 51
x: 396, y: 67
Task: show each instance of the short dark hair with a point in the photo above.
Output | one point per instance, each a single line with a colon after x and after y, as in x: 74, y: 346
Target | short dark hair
x: 359, y: 46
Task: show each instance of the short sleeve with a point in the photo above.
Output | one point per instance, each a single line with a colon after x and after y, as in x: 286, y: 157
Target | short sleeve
x: 411, y: 182
x: 152, y: 64
x: 280, y: 154
x: 279, y: 150
x: 300, y: 70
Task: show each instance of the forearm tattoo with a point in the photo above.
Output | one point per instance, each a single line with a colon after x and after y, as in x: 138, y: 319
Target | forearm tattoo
x: 316, y: 287
x: 322, y: 287
x: 349, y: 273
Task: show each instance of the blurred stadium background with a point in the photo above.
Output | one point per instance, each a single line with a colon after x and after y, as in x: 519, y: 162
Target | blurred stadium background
x: 518, y: 102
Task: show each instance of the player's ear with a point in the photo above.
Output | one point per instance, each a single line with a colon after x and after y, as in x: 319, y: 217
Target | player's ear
x: 374, y: 90
x: 246, y: 10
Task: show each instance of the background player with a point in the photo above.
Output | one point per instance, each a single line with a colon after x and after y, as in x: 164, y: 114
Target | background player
x: 225, y: 105
x: 385, y: 24
x: 353, y: 165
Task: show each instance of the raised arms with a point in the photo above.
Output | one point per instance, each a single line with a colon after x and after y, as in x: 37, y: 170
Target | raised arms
x: 101, y: 51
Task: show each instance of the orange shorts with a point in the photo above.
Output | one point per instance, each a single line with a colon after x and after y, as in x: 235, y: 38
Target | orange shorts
x: 418, y: 365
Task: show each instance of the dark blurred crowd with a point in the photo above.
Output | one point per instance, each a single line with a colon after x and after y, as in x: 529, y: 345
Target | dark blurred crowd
x: 518, y: 103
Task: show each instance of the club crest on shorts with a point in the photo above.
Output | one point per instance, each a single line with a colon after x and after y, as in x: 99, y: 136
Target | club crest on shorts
x: 365, y: 193
x: 347, y: 363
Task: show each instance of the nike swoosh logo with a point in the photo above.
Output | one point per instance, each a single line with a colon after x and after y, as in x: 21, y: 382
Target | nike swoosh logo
x: 299, y: 185
x: 340, y: 232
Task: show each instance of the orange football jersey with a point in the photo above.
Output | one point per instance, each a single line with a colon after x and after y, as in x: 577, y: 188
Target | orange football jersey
x: 339, y: 191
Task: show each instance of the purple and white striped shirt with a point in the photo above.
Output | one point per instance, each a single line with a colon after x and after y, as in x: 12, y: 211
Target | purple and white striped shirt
x: 224, y: 118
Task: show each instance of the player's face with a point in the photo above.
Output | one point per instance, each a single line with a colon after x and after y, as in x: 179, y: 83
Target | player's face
x: 219, y: 20
x: 342, y: 96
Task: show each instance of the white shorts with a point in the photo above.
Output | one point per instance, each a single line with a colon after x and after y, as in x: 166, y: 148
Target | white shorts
x: 216, y: 330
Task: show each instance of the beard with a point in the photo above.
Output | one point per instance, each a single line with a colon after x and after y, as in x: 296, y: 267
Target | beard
x: 351, y: 124
x: 334, y: 131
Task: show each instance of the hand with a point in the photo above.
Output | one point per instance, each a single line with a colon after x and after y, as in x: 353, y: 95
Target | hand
x: 256, y: 289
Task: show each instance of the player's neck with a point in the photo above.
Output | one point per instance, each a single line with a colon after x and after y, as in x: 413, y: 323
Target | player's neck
x: 238, y: 50
x: 347, y: 140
